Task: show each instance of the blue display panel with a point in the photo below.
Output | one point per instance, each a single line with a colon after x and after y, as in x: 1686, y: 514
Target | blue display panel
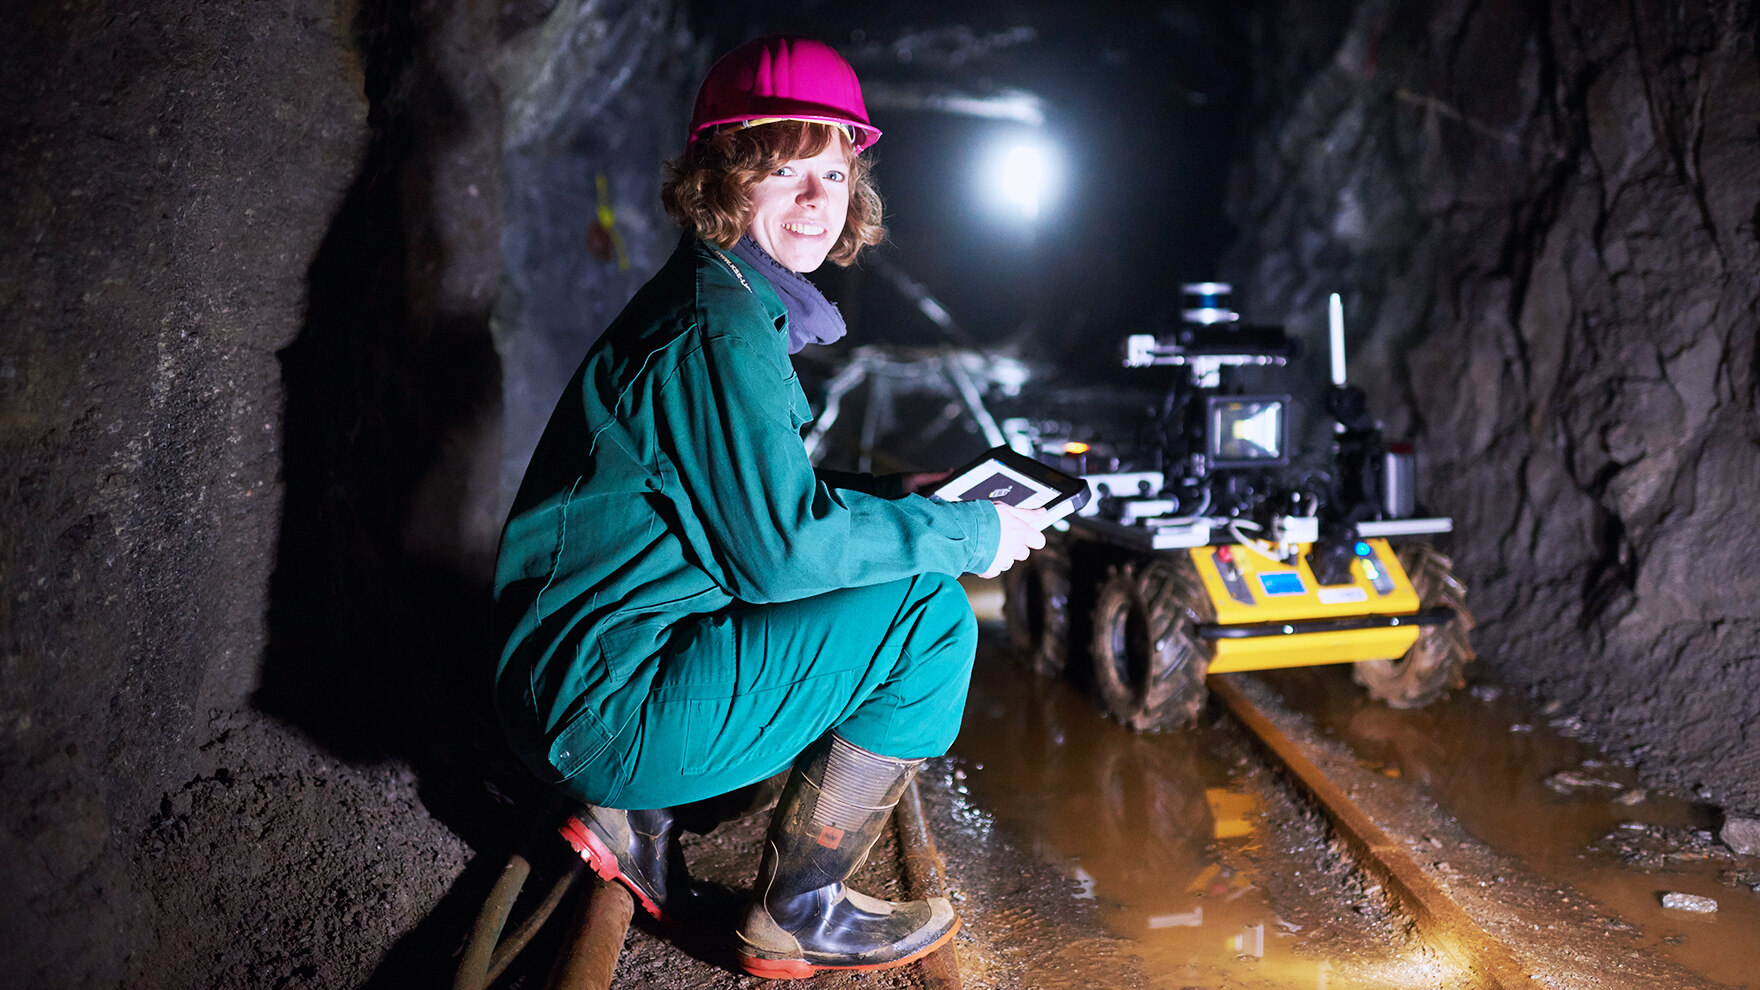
x: 1282, y: 583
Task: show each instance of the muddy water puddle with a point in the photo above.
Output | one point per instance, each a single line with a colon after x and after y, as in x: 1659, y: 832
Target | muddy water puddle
x: 1518, y: 780
x: 1166, y: 835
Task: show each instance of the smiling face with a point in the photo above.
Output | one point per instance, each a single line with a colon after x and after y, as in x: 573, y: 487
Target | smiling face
x: 798, y: 210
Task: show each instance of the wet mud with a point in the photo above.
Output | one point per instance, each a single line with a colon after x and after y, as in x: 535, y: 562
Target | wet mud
x: 1202, y: 860
x: 1518, y: 777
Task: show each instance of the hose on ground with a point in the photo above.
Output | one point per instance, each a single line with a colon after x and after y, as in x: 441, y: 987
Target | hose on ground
x: 486, y: 954
x: 479, y: 950
x: 512, y: 945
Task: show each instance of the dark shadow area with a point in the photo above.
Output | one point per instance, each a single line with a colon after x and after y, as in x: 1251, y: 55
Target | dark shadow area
x: 373, y: 653
x: 428, y: 954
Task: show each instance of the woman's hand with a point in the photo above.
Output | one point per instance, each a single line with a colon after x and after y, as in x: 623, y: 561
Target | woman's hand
x: 1022, y: 533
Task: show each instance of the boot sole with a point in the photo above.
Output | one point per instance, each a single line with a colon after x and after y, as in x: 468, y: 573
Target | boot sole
x: 800, y: 969
x: 603, y: 862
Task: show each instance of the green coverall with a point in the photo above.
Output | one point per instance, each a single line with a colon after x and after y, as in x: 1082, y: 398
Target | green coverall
x: 686, y: 603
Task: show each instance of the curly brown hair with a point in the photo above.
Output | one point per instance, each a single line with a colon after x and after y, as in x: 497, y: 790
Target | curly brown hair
x: 706, y: 188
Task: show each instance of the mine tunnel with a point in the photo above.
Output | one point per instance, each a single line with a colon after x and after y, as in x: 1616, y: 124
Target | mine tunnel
x: 292, y: 288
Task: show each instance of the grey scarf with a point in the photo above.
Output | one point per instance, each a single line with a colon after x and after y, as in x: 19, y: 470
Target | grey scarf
x: 812, y: 318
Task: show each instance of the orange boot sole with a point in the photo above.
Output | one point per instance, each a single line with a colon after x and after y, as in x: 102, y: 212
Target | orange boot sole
x: 604, y: 863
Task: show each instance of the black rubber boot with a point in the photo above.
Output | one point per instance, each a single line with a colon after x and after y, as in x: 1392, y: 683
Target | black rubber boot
x: 640, y: 850
x: 803, y: 919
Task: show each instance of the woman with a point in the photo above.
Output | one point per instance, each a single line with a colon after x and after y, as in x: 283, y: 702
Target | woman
x: 688, y: 607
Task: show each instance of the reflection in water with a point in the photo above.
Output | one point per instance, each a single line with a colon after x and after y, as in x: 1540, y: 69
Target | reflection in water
x: 1149, y: 826
x: 1518, y: 781
x: 1145, y: 825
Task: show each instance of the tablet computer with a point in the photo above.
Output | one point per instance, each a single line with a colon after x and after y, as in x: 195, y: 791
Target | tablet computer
x: 1002, y: 474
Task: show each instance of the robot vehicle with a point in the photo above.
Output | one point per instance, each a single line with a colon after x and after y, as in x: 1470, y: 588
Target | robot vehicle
x: 1208, y: 549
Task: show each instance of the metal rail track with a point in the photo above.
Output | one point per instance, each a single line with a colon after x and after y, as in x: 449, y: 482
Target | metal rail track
x: 925, y: 876
x: 1439, y: 919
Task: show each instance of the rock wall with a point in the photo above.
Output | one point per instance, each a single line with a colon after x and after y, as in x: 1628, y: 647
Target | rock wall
x: 251, y: 439
x: 597, y: 100
x: 1543, y: 219
x: 153, y: 261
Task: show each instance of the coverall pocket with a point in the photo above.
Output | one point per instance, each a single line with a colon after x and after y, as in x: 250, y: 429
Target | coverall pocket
x: 768, y: 726
x: 706, y: 737
x: 578, y: 744
x: 721, y: 733
x: 594, y: 679
x: 800, y: 411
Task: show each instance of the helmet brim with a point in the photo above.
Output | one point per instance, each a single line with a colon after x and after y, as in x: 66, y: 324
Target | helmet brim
x: 862, y: 134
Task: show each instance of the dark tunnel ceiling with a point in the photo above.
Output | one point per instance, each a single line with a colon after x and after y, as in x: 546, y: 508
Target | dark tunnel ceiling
x: 1137, y: 99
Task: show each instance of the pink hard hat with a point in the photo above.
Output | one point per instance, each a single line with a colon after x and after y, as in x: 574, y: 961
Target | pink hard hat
x: 783, y: 77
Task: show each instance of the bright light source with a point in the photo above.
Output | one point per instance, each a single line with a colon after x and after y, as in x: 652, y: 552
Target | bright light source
x: 1021, y: 177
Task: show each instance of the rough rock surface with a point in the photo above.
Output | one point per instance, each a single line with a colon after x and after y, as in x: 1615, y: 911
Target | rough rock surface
x: 153, y: 260
x: 1742, y: 835
x: 594, y: 105
x: 250, y: 447
x: 1543, y: 220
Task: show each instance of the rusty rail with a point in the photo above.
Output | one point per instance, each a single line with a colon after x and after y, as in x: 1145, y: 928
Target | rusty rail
x: 588, y: 960
x: 1439, y: 918
x: 924, y: 876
